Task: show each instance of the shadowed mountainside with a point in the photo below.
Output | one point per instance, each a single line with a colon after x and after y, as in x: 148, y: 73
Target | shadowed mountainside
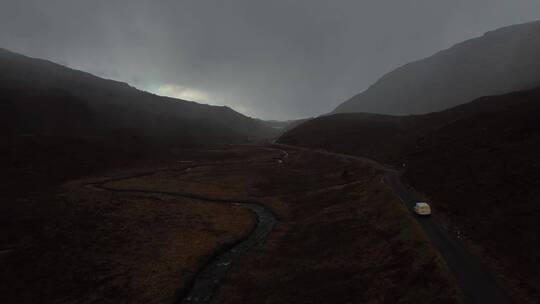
x: 501, y: 61
x: 478, y: 162
x: 36, y: 91
x: 58, y: 123
x: 484, y: 172
x: 391, y: 139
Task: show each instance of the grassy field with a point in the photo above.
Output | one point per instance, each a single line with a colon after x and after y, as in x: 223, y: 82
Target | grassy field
x: 339, y: 241
x: 342, y: 236
x: 78, y: 245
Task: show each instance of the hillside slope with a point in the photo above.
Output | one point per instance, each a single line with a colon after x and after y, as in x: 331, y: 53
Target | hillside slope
x: 501, y: 61
x: 478, y: 162
x: 484, y: 173
x: 49, y: 93
x: 58, y: 123
x: 389, y: 138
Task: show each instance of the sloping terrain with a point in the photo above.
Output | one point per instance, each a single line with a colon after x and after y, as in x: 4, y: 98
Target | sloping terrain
x: 57, y: 123
x: 484, y: 172
x: 377, y: 136
x: 391, y: 139
x: 478, y: 162
x: 501, y: 61
x: 31, y: 87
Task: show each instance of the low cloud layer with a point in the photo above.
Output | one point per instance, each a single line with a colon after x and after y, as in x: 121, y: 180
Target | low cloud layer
x: 271, y: 59
x: 176, y: 91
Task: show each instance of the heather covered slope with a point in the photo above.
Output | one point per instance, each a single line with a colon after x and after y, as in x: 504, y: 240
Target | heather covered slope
x: 391, y: 139
x: 377, y: 136
x: 478, y: 162
x: 41, y: 89
x: 484, y: 172
x: 57, y: 123
x: 501, y: 61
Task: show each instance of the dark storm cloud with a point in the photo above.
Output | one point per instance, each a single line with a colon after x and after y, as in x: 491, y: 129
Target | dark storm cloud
x: 271, y: 59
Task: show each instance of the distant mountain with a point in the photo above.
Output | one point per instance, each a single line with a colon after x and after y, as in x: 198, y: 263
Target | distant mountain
x: 477, y: 162
x: 388, y: 138
x: 501, y: 61
x: 41, y: 97
x: 281, y: 126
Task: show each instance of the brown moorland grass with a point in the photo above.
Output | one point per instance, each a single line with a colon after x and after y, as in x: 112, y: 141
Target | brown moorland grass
x: 73, y: 244
x: 86, y: 246
x: 212, y: 181
x: 341, y: 238
x: 352, y: 245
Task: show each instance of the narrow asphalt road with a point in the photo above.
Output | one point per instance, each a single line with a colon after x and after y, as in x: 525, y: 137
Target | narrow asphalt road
x: 477, y: 284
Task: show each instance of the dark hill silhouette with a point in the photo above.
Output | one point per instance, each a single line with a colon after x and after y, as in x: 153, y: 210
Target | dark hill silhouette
x: 58, y: 123
x: 388, y: 138
x: 50, y: 93
x: 501, y: 61
x: 478, y: 162
x: 484, y: 172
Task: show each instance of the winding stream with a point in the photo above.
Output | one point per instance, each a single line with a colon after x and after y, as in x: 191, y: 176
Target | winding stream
x: 209, y: 278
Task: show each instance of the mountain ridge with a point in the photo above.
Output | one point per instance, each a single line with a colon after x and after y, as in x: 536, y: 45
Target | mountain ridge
x: 486, y: 65
x: 110, y: 97
x: 476, y: 163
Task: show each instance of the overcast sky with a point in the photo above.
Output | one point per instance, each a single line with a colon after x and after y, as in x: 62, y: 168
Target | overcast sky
x: 271, y: 59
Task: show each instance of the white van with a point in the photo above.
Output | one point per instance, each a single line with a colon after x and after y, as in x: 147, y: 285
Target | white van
x: 422, y: 208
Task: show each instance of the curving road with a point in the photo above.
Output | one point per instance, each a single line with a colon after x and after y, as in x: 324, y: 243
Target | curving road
x: 477, y: 284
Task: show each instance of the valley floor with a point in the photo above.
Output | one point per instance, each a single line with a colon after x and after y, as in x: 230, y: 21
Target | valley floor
x: 341, y: 235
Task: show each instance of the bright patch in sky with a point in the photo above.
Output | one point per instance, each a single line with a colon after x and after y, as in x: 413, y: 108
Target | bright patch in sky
x: 200, y: 96
x: 180, y: 92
